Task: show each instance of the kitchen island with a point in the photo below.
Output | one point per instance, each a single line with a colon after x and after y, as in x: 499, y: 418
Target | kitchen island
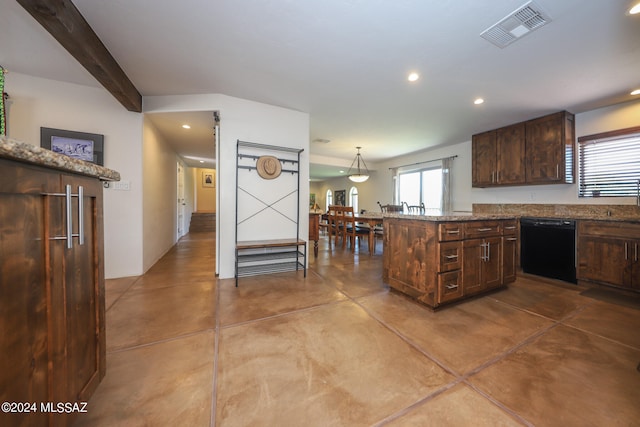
x: 445, y: 258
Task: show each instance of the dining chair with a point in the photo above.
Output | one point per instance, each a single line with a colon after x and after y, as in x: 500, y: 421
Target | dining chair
x: 391, y: 208
x: 415, y: 209
x: 352, y: 230
x: 336, y: 224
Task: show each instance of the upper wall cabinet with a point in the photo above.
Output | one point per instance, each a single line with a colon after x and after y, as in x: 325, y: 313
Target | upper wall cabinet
x: 498, y: 157
x: 538, y: 151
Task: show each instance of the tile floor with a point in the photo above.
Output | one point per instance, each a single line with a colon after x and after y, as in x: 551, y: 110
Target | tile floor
x: 339, y: 349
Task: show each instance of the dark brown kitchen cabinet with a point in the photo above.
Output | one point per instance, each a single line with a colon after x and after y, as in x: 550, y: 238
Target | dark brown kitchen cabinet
x: 438, y: 262
x: 538, y: 151
x: 484, y: 162
x: 481, y: 256
x: 499, y: 157
x: 51, y: 289
x: 510, y: 253
x: 608, y: 253
x: 549, y: 149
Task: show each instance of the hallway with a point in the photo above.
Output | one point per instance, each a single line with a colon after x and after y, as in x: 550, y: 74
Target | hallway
x: 339, y: 349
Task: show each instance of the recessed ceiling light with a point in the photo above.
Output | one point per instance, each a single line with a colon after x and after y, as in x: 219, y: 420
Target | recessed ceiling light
x: 186, y: 126
x: 636, y: 92
x: 201, y: 161
x: 413, y: 77
x: 478, y: 101
x: 635, y: 9
x: 341, y: 171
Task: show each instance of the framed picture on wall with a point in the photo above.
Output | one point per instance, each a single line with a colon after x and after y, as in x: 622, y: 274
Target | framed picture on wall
x: 208, y: 179
x: 78, y: 145
x: 340, y: 197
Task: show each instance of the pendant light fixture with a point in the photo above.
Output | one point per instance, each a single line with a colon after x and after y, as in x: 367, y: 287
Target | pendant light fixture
x: 361, y: 175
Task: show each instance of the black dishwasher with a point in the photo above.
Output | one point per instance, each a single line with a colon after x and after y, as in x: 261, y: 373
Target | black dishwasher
x: 548, y: 247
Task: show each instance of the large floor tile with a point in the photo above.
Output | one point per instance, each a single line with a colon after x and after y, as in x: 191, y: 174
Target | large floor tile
x: 115, y: 288
x: 568, y: 378
x: 546, y: 299
x: 459, y: 406
x: 257, y: 297
x: 364, y: 278
x: 461, y: 337
x: 165, y: 384
x: 613, y: 321
x: 145, y: 316
x: 329, y: 366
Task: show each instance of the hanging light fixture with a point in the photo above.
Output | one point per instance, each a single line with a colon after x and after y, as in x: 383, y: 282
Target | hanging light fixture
x: 361, y: 175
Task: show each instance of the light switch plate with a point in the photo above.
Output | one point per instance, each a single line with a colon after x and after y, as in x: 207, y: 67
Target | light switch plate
x: 122, y: 185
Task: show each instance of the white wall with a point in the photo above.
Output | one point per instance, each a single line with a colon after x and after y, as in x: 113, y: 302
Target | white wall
x: 37, y: 102
x: 247, y: 121
x: 159, y: 195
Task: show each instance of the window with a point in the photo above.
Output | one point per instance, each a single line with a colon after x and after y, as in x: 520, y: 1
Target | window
x: 353, y: 198
x: 609, y: 164
x: 423, y: 186
x: 329, y: 199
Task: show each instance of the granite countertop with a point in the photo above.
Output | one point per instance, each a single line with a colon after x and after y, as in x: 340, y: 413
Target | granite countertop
x: 452, y: 216
x: 27, y: 153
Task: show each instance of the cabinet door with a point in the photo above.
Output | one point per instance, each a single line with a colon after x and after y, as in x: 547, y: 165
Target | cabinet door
x: 635, y: 269
x: 603, y: 259
x: 509, y: 258
x: 549, y: 149
x: 24, y: 372
x: 472, y: 260
x: 491, y: 268
x: 483, y: 163
x: 84, y: 292
x: 510, y: 148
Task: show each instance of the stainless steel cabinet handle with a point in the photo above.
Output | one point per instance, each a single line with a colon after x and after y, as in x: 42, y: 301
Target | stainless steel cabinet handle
x: 488, y: 251
x: 453, y: 231
x: 69, y: 219
x: 451, y: 287
x: 512, y: 239
x: 451, y: 256
x: 485, y: 229
x: 626, y: 250
x: 80, y: 215
x: 557, y: 170
x: 510, y: 227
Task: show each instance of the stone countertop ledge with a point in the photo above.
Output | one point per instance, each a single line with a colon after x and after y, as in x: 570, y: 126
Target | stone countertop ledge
x: 450, y: 216
x: 27, y: 153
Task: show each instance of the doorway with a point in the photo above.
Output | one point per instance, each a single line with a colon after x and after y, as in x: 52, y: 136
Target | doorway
x: 181, y: 229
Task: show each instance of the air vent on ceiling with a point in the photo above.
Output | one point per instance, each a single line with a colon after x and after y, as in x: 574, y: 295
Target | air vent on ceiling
x: 517, y: 24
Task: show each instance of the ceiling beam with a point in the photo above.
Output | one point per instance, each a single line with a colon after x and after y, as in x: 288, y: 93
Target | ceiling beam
x: 65, y: 23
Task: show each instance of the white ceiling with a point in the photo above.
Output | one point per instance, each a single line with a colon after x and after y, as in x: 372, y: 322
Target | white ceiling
x: 345, y: 62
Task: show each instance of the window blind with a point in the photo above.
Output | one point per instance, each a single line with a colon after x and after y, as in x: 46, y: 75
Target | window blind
x: 609, y: 166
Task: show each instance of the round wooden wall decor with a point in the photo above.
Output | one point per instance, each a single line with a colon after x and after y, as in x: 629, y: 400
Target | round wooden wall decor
x: 268, y: 167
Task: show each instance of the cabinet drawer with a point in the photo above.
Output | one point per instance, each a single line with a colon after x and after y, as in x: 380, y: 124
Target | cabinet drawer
x: 476, y: 229
x: 510, y: 227
x: 450, y: 256
x: 625, y: 230
x: 449, y: 286
x: 448, y: 231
